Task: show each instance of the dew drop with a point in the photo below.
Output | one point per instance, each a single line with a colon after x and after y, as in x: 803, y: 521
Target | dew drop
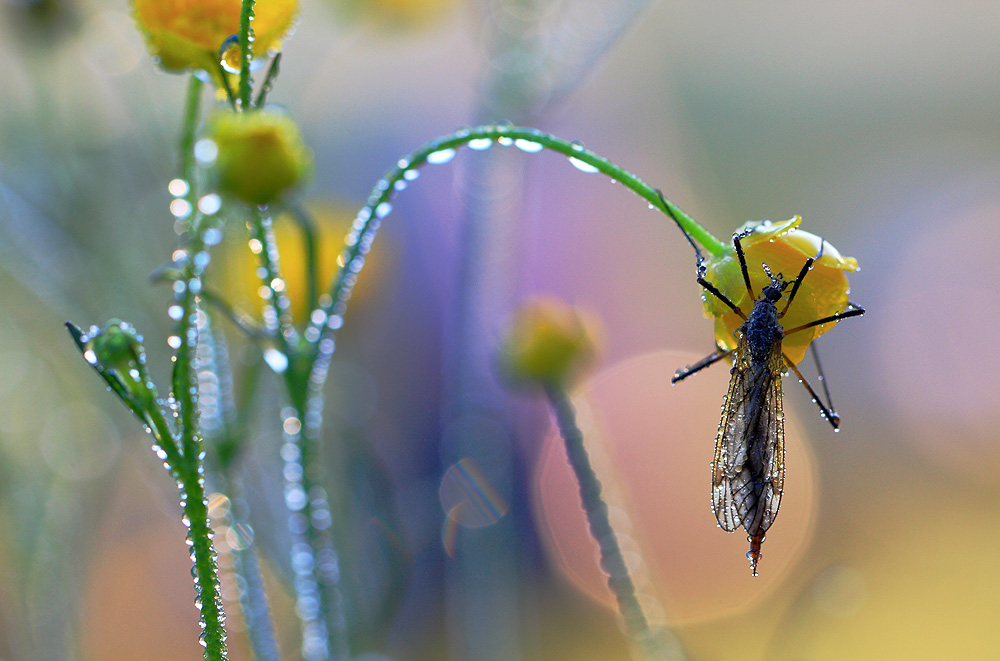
x: 210, y: 204
x: 410, y: 175
x: 180, y: 208
x: 382, y: 210
x: 174, y: 342
x: 581, y: 166
x: 529, y: 146
x: 504, y: 141
x: 276, y: 360
x: 229, y: 52
x: 206, y: 151
x: 212, y: 236
x: 178, y: 187
x: 440, y: 156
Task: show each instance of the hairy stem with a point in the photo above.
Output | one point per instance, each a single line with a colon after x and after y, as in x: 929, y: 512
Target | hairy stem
x: 246, y: 54
x: 190, y: 471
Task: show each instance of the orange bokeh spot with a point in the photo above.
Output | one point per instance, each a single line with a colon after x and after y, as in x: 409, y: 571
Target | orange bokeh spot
x: 651, y: 444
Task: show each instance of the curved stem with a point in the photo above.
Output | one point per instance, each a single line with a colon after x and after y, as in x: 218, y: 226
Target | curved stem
x: 441, y: 150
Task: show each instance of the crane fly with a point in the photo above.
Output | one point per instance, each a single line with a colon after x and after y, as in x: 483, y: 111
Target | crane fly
x: 748, y: 469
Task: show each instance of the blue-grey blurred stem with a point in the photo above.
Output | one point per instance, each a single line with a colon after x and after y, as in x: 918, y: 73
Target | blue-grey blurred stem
x: 653, y: 643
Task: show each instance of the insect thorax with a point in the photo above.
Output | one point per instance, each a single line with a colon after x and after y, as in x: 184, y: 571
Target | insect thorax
x: 762, y: 330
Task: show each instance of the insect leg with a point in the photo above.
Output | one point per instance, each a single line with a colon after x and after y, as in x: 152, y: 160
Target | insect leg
x: 668, y: 207
x: 853, y: 311
x: 802, y: 274
x: 709, y: 287
x: 828, y: 413
x: 743, y: 263
x: 822, y: 377
x: 707, y: 361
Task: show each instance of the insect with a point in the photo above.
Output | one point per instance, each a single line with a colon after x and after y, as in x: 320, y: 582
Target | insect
x: 748, y: 469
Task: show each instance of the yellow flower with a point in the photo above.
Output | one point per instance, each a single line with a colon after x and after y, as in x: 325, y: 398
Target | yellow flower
x: 548, y: 343
x: 260, y: 154
x: 187, y: 34
x: 396, y: 14
x: 784, y: 248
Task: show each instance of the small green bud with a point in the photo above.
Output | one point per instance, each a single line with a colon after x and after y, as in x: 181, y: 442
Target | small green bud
x: 116, y: 352
x: 548, y: 343
x: 260, y: 156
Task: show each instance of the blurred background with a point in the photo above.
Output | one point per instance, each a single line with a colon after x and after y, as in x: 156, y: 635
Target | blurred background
x: 876, y: 121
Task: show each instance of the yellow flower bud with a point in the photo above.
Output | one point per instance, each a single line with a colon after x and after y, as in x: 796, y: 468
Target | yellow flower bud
x: 187, y: 34
x: 260, y: 155
x: 548, y: 343
x: 784, y: 248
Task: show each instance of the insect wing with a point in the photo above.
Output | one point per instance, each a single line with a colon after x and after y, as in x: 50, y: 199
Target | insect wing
x: 748, y: 471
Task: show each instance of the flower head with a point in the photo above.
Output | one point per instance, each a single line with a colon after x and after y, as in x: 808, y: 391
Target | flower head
x: 548, y: 343
x: 784, y: 248
x: 260, y: 155
x: 187, y: 34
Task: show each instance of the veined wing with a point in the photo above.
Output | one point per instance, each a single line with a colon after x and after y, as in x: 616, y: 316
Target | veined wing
x: 748, y: 471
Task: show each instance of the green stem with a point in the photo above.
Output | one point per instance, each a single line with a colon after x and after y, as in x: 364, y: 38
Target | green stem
x: 308, y: 228
x: 440, y: 150
x: 246, y: 53
x: 612, y: 560
x: 192, y: 112
x: 191, y: 468
x: 269, y: 78
x: 278, y: 321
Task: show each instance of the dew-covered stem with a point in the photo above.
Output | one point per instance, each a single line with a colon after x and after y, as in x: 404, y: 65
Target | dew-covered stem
x: 620, y: 582
x: 442, y: 150
x: 278, y: 312
x: 315, y: 561
x: 246, y: 53
x: 190, y: 471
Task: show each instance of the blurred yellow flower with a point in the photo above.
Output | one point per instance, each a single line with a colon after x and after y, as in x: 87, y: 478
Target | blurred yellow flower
x: 396, y: 14
x: 187, y: 34
x: 548, y: 342
x: 235, y: 268
x: 261, y: 154
x: 784, y: 248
